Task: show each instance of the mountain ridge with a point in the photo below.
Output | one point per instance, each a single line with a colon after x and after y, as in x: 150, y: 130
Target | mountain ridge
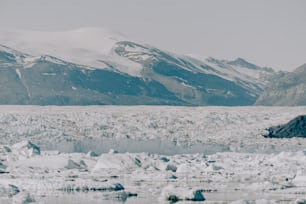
x: 128, y: 73
x: 289, y: 89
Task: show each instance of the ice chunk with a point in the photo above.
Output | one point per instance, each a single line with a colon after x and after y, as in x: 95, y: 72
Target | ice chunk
x: 117, y: 161
x: 8, y: 190
x: 300, y: 201
x: 74, y: 165
x: 112, y: 151
x: 118, y: 187
x: 92, y: 154
x: 171, y: 167
x: 123, y: 195
x: 2, y: 168
x: 23, y: 198
x: 175, y: 194
x: 198, y: 196
x: 164, y: 159
x: 7, y: 149
x: 26, y: 148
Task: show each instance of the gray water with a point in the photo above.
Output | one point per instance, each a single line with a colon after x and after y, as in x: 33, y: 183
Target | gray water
x: 164, y: 147
x: 156, y: 146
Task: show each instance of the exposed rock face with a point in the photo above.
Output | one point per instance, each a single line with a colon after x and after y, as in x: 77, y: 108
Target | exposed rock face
x: 199, y: 81
x: 294, y: 128
x: 287, y: 90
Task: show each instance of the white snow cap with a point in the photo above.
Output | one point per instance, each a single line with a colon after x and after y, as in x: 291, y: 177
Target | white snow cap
x: 87, y: 46
x: 80, y: 40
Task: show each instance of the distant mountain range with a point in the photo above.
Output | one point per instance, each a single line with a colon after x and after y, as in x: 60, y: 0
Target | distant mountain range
x: 287, y: 90
x: 92, y: 66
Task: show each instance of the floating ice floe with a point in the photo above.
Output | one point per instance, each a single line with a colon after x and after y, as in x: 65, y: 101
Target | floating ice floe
x: 174, y: 194
x: 117, y: 161
x: 276, y: 175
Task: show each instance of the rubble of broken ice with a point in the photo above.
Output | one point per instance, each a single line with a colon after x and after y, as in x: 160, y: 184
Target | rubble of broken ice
x: 25, y: 169
x: 29, y: 174
x: 242, y: 173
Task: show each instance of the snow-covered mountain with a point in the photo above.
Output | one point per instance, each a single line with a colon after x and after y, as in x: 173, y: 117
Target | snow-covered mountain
x: 95, y: 66
x: 86, y: 46
x: 287, y: 90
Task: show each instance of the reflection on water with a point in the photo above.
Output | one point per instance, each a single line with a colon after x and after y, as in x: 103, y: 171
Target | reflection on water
x: 105, y: 198
x: 93, y: 198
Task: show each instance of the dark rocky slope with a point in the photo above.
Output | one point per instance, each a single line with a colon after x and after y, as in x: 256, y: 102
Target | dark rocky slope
x: 294, y: 128
x: 287, y: 90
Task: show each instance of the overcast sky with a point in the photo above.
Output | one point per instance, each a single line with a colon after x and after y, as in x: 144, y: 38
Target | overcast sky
x: 265, y: 32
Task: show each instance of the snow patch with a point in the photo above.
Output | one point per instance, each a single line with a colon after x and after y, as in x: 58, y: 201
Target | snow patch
x: 48, y: 74
x: 19, y: 74
x: 89, y: 46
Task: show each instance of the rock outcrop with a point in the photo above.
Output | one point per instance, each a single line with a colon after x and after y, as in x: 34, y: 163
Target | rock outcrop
x: 294, y: 128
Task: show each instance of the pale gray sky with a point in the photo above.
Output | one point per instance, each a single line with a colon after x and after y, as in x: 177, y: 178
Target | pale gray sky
x: 265, y: 32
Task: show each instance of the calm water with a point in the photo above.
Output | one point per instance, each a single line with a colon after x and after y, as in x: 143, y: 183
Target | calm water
x: 143, y: 198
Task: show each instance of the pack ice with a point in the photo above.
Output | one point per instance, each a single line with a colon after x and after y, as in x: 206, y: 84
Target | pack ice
x: 146, y: 154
